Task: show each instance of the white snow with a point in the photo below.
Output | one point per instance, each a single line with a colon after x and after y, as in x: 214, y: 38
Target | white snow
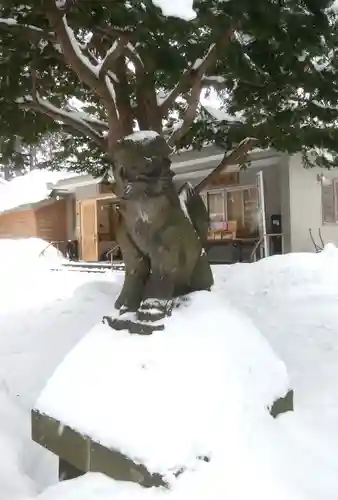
x: 286, y: 304
x: 222, y: 115
x: 30, y: 188
x: 141, y: 136
x: 182, y: 9
x: 13, y: 22
x: 16, y: 253
x: 334, y: 6
x: 150, y: 377
x: 199, y: 61
x: 60, y: 3
x: 183, y: 197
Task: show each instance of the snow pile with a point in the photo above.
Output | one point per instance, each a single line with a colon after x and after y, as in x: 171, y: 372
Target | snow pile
x: 182, y: 9
x: 283, y: 272
x: 14, y: 483
x: 176, y: 395
x: 29, y: 188
x: 24, y: 252
x: 290, y: 300
x: 42, y: 315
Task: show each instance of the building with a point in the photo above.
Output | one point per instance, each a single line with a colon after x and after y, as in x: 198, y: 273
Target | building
x: 272, y: 204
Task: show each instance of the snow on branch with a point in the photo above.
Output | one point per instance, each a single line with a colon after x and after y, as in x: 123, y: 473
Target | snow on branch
x: 81, y: 65
x: 73, y: 119
x: 71, y: 45
x: 215, y: 81
x: 134, y: 56
x: 197, y: 70
x: 98, y: 124
x: 14, y: 22
x: 115, y: 51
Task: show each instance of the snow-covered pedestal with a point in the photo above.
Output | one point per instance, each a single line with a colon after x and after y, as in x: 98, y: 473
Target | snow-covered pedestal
x: 149, y: 408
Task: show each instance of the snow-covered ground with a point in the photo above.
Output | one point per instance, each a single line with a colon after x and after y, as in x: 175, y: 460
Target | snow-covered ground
x: 291, y: 300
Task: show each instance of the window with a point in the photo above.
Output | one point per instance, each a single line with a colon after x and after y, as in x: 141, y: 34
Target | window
x: 330, y: 201
x: 238, y: 204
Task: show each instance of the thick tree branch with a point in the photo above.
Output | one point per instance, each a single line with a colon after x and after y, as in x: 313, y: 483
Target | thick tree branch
x: 122, y: 88
x: 197, y: 70
x: 98, y: 125
x: 229, y: 159
x: 148, y: 111
x: 86, y: 72
x: 70, y: 47
x: 115, y: 51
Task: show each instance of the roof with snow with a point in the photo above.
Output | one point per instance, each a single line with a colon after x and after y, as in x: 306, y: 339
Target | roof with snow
x: 29, y: 189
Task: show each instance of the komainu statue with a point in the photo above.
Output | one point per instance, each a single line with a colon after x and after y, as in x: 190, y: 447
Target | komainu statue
x: 162, y: 234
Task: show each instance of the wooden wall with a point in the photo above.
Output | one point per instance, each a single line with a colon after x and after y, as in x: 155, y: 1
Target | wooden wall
x: 51, y: 221
x: 18, y: 224
x: 48, y: 222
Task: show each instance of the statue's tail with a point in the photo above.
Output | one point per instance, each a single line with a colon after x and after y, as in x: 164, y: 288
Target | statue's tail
x: 194, y: 207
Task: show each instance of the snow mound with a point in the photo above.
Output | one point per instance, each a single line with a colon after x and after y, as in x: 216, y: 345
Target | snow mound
x: 95, y: 486
x: 13, y: 438
x: 174, y: 396
x: 285, y: 272
x: 25, y: 251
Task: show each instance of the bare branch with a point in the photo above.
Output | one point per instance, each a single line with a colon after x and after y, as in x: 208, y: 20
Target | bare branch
x: 229, y: 159
x: 197, y: 70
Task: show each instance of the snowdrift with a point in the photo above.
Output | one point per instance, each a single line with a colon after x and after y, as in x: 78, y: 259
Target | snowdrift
x: 24, y: 252
x: 291, y: 300
x: 168, y: 399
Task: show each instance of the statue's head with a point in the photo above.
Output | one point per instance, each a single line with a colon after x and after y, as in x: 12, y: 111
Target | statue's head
x: 142, y: 165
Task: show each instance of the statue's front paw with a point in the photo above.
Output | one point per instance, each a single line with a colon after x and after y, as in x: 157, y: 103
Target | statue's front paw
x: 155, y: 309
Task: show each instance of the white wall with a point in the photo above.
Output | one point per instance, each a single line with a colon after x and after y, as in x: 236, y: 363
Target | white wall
x: 284, y: 187
x: 306, y: 207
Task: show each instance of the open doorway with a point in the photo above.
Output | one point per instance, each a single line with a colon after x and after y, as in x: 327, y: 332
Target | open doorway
x: 107, y: 220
